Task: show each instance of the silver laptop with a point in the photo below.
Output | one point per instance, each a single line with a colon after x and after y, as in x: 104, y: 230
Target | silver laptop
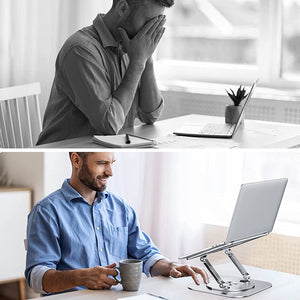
x: 254, y: 214
x: 216, y: 130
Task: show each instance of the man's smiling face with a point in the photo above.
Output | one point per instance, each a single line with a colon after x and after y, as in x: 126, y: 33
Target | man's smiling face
x: 96, y: 169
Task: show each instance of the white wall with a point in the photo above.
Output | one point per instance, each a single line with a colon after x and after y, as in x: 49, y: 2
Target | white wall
x: 57, y: 167
x: 128, y: 167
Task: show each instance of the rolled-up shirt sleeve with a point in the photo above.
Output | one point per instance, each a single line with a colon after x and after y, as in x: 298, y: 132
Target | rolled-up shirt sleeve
x: 151, y: 117
x: 36, y: 278
x: 90, y: 89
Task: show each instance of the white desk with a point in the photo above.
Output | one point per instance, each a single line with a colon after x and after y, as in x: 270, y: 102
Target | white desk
x: 251, y: 134
x: 285, y: 286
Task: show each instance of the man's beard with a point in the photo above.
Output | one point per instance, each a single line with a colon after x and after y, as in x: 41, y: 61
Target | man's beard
x: 85, y: 176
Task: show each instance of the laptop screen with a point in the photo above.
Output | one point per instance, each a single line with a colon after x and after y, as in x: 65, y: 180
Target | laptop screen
x: 256, y: 209
x: 245, y: 105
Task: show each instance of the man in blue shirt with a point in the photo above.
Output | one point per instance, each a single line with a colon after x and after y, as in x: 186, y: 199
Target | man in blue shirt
x: 76, y: 235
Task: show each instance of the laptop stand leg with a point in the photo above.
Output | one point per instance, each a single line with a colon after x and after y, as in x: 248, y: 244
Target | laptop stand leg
x: 245, y: 274
x: 213, y: 272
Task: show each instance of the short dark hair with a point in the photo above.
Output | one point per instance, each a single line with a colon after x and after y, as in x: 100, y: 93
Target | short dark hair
x: 166, y: 3
x: 83, y: 155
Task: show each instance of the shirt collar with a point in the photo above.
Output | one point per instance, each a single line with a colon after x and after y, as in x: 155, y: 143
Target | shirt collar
x: 103, y: 32
x: 71, y: 194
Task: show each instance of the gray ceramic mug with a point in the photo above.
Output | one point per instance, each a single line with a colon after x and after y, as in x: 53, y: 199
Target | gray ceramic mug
x: 131, y: 273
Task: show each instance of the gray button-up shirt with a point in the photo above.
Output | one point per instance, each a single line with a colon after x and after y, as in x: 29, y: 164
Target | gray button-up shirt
x: 89, y: 68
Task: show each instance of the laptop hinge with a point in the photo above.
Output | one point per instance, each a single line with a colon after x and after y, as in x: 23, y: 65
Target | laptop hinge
x: 222, y: 247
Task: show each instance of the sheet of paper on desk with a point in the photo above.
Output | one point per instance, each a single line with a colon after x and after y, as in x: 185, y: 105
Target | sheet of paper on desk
x: 140, y: 297
x: 173, y: 141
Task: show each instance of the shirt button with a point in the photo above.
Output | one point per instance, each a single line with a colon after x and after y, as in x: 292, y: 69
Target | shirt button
x: 97, y: 228
x: 101, y: 250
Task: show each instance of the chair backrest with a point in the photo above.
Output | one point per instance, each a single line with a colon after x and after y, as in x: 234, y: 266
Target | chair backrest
x: 20, y: 116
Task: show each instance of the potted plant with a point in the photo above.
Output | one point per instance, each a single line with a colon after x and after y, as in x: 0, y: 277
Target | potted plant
x: 232, y: 112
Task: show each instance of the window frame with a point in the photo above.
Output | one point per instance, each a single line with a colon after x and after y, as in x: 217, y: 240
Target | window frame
x: 269, y: 62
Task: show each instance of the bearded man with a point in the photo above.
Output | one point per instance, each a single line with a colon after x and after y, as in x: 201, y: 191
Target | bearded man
x: 78, y: 234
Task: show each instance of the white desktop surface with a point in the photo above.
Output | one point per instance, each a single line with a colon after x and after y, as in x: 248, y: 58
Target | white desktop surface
x: 285, y: 286
x: 251, y: 134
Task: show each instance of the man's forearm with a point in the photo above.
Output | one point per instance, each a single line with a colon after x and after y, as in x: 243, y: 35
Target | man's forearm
x: 140, y: 49
x: 57, y: 281
x: 126, y: 91
x: 150, y: 95
x: 92, y: 278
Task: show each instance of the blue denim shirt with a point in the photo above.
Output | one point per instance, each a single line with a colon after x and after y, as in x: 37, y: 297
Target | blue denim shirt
x: 65, y: 232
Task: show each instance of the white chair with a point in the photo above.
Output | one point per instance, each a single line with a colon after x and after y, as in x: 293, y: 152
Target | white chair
x: 20, y: 116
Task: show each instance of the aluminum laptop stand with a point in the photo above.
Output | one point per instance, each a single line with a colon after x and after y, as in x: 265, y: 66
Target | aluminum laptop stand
x: 232, y: 287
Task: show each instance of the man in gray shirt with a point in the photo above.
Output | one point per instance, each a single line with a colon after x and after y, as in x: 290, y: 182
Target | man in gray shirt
x: 104, y: 73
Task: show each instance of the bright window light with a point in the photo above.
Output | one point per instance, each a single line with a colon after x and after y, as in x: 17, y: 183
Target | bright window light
x: 233, y: 41
x: 212, y: 31
x: 291, y: 39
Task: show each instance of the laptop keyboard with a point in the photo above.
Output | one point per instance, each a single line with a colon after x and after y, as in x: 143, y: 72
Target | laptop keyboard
x: 216, y: 129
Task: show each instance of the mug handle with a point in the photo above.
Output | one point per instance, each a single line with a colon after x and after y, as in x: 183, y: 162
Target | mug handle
x: 115, y: 277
